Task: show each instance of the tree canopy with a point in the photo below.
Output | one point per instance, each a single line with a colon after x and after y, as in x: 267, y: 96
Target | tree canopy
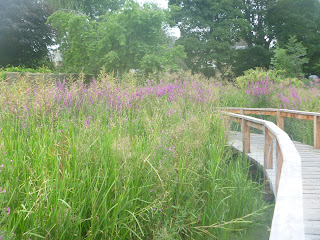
x: 210, y: 28
x: 122, y: 35
x: 24, y: 34
x: 133, y: 38
x: 92, y: 8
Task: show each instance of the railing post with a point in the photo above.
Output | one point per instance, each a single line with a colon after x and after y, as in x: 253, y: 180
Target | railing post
x: 316, y: 132
x: 268, y: 150
x: 278, y: 166
x: 280, y: 120
x: 245, y: 128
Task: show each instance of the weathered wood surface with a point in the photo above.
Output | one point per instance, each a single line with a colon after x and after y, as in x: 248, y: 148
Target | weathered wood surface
x: 310, y: 170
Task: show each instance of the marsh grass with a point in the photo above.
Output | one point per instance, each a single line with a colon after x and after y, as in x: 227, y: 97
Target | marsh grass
x: 107, y: 162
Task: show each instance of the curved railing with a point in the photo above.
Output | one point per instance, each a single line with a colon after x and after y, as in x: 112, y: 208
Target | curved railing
x: 281, y: 114
x: 288, y: 220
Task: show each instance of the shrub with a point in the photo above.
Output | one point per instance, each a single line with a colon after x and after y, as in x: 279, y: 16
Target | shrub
x: 275, y: 76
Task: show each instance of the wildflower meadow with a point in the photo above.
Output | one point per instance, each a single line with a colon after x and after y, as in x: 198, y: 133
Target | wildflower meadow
x: 116, y: 160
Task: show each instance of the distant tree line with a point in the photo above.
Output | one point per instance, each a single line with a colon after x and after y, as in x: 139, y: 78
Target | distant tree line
x: 209, y: 29
x: 122, y: 35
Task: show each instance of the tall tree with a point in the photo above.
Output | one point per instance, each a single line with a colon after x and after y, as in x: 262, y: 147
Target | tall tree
x: 133, y: 38
x: 24, y: 34
x: 92, y: 8
x: 298, y: 18
x: 208, y: 30
x: 258, y: 37
x: 291, y: 58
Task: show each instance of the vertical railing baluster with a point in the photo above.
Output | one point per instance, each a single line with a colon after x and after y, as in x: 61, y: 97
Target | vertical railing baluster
x: 245, y: 128
x: 278, y: 165
x: 316, y: 132
x: 268, y: 149
x: 280, y: 120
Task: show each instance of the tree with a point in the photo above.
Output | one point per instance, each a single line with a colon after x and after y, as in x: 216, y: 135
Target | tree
x: 133, y: 38
x: 208, y: 30
x: 251, y: 57
x: 291, y: 59
x: 92, y: 8
x: 24, y: 34
x: 298, y: 18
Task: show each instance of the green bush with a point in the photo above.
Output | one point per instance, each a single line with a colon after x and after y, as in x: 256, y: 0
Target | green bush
x: 3, y: 71
x: 276, y: 76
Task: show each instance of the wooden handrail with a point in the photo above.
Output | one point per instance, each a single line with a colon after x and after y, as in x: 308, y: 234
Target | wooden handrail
x: 281, y: 114
x: 287, y: 222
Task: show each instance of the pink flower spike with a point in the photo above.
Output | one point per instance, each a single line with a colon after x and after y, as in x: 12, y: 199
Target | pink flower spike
x: 2, y: 166
x: 4, y: 191
x: 8, y: 209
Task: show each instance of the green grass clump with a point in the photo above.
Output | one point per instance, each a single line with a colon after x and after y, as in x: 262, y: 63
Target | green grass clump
x: 79, y: 165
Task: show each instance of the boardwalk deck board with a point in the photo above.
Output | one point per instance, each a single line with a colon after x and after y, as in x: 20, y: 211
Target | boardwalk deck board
x: 310, y: 165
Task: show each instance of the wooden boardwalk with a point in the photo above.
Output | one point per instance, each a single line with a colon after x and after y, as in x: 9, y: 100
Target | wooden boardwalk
x: 310, y: 167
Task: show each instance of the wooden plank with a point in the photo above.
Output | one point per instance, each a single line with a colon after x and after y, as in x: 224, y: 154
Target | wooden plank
x: 300, y: 116
x: 312, y: 237
x: 256, y: 125
x: 316, y: 132
x: 260, y: 112
x: 312, y: 215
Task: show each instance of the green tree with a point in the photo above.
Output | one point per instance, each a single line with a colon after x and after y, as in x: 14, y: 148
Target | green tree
x: 92, y: 8
x: 291, y: 58
x: 24, y: 34
x: 208, y: 30
x: 258, y: 37
x: 133, y: 38
x: 298, y: 18
x: 251, y: 57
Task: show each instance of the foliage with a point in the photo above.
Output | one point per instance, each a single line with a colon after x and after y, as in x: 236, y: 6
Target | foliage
x: 24, y: 34
x: 208, y: 30
x: 250, y: 58
x: 275, y: 76
x: 132, y: 38
x: 256, y: 14
x: 301, y: 19
x: 291, y: 59
x: 158, y: 168
x: 92, y: 8
x: 42, y: 69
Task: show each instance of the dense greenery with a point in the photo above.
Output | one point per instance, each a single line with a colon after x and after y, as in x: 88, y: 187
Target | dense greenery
x: 132, y: 38
x: 92, y: 8
x: 111, y: 161
x: 121, y: 35
x: 291, y: 58
x: 209, y: 30
x: 24, y: 34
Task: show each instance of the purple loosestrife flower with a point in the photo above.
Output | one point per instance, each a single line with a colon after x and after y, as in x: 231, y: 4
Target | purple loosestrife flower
x: 8, y: 209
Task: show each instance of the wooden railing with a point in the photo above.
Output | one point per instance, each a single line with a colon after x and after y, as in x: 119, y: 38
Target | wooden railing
x: 288, y: 222
x: 284, y: 113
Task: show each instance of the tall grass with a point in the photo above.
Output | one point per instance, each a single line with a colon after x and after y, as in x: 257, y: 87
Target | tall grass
x: 106, y: 161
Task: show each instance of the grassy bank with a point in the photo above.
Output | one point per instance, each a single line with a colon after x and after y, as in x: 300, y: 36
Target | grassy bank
x: 106, y: 161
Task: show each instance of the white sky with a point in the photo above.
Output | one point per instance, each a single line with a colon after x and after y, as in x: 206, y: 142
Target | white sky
x: 163, y: 4
x: 160, y: 3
